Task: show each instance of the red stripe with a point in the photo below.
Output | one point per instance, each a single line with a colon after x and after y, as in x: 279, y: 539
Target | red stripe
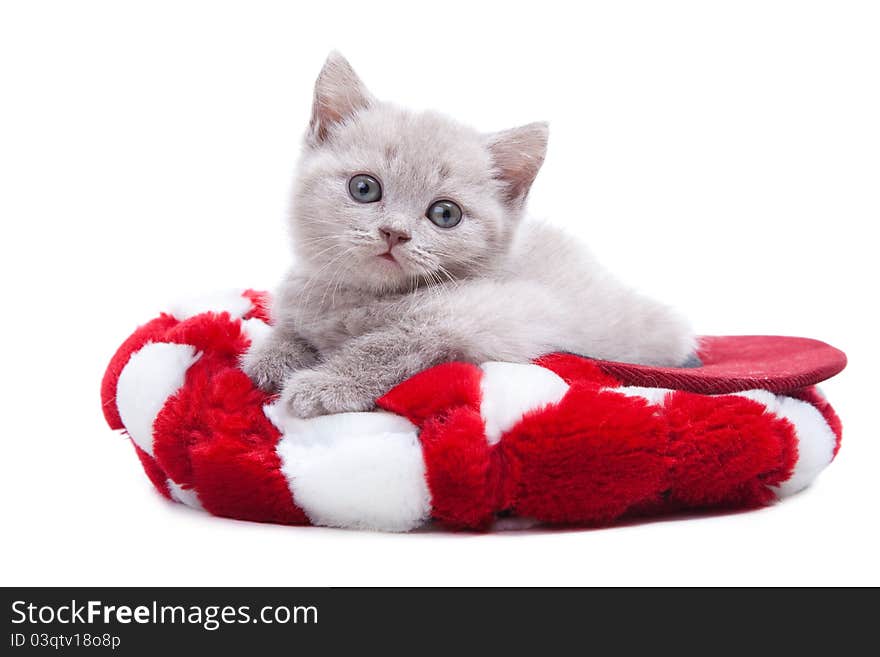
x: 459, y: 469
x: 260, y: 308
x: 435, y: 391
x: 588, y: 459
x: 727, y: 451
x: 187, y: 416
x: 235, y: 466
x: 577, y: 369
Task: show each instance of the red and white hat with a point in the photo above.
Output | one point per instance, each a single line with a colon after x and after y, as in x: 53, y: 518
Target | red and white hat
x: 562, y: 440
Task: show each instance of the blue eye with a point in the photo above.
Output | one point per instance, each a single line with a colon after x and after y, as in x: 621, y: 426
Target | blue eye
x: 444, y: 214
x: 364, y: 188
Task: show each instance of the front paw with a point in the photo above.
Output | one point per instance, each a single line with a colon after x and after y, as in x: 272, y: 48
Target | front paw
x: 308, y: 393
x: 267, y: 369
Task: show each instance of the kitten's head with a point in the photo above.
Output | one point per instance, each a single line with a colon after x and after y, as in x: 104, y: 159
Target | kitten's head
x: 387, y: 199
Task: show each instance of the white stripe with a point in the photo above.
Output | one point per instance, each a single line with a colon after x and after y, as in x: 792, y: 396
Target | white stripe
x: 187, y: 496
x: 510, y: 390
x: 151, y: 376
x: 815, y: 439
x: 361, y: 470
x: 655, y: 396
x: 231, y: 301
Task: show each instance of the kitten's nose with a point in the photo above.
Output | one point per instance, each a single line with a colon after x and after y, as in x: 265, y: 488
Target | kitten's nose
x: 393, y: 236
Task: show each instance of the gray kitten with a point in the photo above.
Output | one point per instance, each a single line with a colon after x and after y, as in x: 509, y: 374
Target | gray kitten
x: 412, y: 251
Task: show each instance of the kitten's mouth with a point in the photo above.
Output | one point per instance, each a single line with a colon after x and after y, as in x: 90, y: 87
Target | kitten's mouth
x: 389, y: 257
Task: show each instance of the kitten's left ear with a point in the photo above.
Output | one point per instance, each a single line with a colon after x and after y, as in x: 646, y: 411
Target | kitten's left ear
x: 518, y: 154
x: 339, y: 94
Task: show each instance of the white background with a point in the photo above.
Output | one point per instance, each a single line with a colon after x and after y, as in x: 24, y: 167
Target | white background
x: 722, y: 156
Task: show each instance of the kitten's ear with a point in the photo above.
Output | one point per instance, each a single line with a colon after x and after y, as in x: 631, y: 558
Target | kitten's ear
x: 518, y: 154
x: 339, y: 94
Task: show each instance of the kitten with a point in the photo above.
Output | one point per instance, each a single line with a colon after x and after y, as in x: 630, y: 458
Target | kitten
x: 411, y: 251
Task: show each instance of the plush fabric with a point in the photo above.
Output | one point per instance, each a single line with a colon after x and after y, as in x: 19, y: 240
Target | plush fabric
x: 563, y: 440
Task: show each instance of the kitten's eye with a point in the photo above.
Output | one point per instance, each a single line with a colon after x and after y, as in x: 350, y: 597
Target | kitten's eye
x: 364, y: 188
x: 444, y: 214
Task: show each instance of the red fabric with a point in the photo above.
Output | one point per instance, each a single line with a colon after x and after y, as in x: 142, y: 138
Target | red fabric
x: 434, y: 392
x: 726, y: 451
x: 187, y: 419
x: 459, y: 466
x: 623, y: 457
x: 587, y: 468
x: 260, y: 307
x: 741, y: 362
x: 573, y: 369
x: 233, y: 461
x: 184, y: 420
x: 216, y: 335
x: 213, y: 434
x: 595, y: 456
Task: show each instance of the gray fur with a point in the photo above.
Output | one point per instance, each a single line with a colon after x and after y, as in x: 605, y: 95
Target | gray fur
x: 349, y: 325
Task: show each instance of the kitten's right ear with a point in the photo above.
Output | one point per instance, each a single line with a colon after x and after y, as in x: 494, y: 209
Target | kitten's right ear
x: 339, y: 94
x: 518, y: 154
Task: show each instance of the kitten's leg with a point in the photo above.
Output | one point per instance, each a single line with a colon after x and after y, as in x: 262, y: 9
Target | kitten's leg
x: 364, y: 369
x: 623, y: 325
x: 270, y: 363
x: 512, y: 321
x: 473, y: 322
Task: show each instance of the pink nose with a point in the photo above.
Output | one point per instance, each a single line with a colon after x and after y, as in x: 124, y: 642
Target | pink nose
x: 393, y: 236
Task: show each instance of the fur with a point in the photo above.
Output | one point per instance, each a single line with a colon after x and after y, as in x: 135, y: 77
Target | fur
x: 360, y: 313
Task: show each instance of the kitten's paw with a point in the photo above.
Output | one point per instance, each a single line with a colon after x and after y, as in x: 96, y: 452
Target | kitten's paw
x: 676, y: 344
x: 266, y: 369
x: 308, y: 393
